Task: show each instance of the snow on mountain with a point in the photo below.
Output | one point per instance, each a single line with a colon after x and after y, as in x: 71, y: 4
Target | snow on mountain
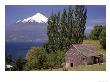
x: 38, y: 17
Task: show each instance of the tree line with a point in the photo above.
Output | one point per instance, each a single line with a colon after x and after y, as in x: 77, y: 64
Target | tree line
x: 65, y: 29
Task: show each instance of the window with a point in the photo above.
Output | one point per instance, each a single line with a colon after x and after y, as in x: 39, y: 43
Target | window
x: 71, y: 64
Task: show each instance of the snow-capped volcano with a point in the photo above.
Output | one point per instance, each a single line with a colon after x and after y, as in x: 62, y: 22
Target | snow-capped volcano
x: 38, y: 17
x: 29, y: 29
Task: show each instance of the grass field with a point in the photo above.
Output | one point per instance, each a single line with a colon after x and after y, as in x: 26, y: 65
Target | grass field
x: 95, y: 67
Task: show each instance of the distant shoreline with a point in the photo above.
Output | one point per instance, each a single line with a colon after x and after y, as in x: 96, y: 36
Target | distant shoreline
x: 20, y: 48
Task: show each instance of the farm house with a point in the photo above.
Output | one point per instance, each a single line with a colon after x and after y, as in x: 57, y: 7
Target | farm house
x: 82, y: 54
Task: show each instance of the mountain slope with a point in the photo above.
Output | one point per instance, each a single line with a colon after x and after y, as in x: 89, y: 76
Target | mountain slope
x: 31, y: 29
x: 38, y: 17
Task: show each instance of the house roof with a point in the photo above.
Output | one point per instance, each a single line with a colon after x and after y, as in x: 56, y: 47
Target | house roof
x: 84, y: 49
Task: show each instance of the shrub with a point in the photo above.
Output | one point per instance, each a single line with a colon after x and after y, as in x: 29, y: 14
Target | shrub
x: 55, y: 60
x: 36, y: 59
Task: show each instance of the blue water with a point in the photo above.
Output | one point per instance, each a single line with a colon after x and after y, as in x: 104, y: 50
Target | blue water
x: 20, y: 48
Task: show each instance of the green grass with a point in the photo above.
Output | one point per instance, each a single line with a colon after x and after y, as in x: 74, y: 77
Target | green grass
x: 95, y: 67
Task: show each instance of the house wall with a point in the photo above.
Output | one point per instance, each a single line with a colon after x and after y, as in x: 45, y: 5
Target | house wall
x: 76, y: 60
x: 90, y: 60
x: 67, y: 65
x: 84, y: 61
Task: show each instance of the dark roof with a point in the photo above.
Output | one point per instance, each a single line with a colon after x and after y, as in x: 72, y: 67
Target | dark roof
x: 84, y: 49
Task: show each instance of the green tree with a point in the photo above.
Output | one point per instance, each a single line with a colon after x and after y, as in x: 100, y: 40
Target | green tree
x: 59, y: 58
x: 50, y: 60
x: 42, y: 61
x: 57, y: 32
x: 80, y: 14
x: 64, y: 30
x: 70, y: 27
x: 32, y: 58
x: 55, y: 60
x: 95, y: 33
x: 102, y: 38
x: 8, y: 58
x: 20, y: 63
x: 53, y: 33
x: 36, y: 59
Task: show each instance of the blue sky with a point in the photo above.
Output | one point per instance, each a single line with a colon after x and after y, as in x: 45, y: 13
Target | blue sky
x: 96, y: 13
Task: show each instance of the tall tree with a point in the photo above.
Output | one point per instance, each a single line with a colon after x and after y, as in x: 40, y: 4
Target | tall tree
x: 57, y: 42
x: 64, y: 30
x: 53, y: 33
x: 80, y: 13
x: 50, y: 32
x: 70, y: 20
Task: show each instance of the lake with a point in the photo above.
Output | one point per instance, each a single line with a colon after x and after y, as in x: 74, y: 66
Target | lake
x: 20, y: 48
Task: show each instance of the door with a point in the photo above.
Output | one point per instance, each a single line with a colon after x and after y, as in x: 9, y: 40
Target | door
x: 71, y: 64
